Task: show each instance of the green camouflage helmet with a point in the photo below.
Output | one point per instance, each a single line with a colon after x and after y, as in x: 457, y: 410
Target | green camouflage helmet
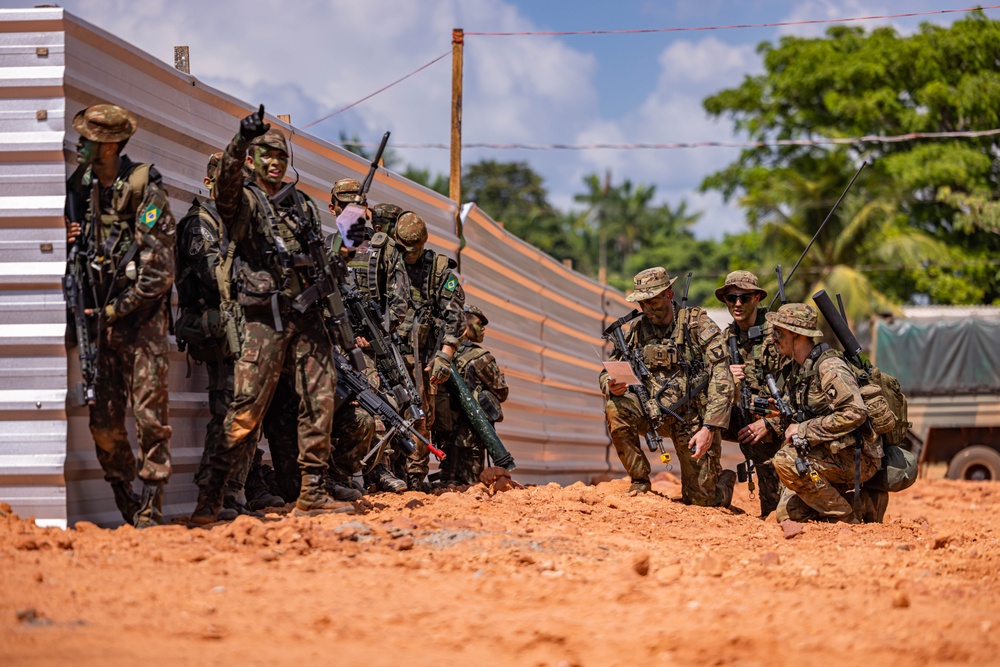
x: 347, y: 191
x: 800, y: 318
x: 386, y: 215
x: 410, y: 230
x: 105, y: 123
x: 273, y: 138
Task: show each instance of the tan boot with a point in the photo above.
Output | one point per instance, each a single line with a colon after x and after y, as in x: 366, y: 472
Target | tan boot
x: 313, y: 498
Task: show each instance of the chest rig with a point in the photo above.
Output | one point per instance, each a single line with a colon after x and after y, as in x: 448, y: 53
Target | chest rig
x: 803, y: 382
x: 677, y: 369
x: 365, y: 268
x: 110, y: 221
x: 421, y: 318
x: 282, y: 225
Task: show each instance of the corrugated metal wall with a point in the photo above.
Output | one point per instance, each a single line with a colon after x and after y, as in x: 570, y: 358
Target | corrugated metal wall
x: 545, y: 319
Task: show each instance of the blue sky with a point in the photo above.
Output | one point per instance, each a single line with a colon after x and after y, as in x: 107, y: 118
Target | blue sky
x: 311, y: 57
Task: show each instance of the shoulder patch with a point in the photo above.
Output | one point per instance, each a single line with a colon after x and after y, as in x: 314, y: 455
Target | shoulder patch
x: 451, y: 285
x: 832, y: 393
x: 151, y: 215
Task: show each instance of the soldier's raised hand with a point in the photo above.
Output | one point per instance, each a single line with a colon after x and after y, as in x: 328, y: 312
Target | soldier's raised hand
x: 253, y: 125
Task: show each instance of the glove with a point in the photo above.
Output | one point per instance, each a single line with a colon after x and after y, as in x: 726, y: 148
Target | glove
x: 440, y: 368
x: 253, y: 125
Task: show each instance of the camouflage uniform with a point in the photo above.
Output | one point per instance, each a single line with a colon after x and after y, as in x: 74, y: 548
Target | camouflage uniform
x: 276, y: 336
x: 668, y: 350
x: 434, y: 318
x: 834, y: 421
x: 464, y: 452
x: 351, y: 437
x: 761, y: 357
x: 378, y: 271
x: 133, y: 294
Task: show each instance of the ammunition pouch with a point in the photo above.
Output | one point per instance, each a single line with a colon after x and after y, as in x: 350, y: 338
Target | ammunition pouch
x: 881, y: 417
x: 204, y: 334
x: 490, y: 405
x: 660, y: 356
x: 254, y: 288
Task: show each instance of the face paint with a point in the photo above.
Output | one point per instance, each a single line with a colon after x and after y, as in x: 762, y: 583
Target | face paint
x: 87, y: 151
x: 412, y: 255
x: 477, y: 330
x: 659, y: 310
x: 270, y: 165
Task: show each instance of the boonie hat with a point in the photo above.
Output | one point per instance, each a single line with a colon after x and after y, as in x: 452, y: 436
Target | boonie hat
x: 800, y: 318
x: 105, y: 123
x: 273, y: 138
x: 649, y: 283
x: 743, y: 280
x: 478, y: 312
x: 410, y: 230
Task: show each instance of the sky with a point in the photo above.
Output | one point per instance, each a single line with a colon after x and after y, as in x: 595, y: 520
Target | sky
x: 309, y: 58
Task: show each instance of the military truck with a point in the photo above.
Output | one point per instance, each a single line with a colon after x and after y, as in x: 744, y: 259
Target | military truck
x: 947, y: 360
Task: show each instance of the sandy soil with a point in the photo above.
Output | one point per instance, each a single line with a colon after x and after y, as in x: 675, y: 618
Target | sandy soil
x: 581, y: 575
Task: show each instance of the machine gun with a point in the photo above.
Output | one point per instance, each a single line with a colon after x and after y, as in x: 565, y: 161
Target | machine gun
x: 366, y: 318
x: 481, y: 423
x: 352, y: 385
x: 652, y: 408
x: 75, y: 286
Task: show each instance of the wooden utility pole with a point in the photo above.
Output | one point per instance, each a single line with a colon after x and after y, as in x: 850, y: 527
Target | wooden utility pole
x: 455, y: 175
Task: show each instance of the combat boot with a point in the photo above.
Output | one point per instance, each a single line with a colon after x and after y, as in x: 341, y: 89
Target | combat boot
x: 259, y: 496
x: 386, y: 481
x: 314, y: 498
x: 415, y: 482
x: 341, y: 488
x: 642, y: 485
x: 874, y: 503
x: 126, y: 500
x: 150, y: 512
x: 209, y: 497
x: 724, y: 487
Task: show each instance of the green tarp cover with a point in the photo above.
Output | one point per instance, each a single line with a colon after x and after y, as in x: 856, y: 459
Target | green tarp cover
x: 944, y: 356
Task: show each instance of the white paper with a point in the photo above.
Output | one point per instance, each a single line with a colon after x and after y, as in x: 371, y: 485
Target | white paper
x: 621, y: 372
x: 347, y: 219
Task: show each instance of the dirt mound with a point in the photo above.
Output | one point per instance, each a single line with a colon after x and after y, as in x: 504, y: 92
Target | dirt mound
x: 548, y: 575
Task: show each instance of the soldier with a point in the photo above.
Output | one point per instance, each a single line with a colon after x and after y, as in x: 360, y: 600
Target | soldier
x: 464, y: 452
x: 685, y: 353
x: 200, y: 329
x: 759, y: 437
x: 128, y: 225
x: 820, y: 457
x: 274, y: 271
x: 430, y: 331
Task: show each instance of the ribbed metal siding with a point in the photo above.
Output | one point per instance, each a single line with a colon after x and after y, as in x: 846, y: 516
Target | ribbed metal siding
x: 545, y: 319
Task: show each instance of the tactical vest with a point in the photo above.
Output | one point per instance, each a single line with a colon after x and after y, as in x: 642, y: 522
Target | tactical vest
x: 675, y: 361
x: 367, y: 267
x: 875, y: 406
x: 199, y: 328
x: 116, y: 227
x: 423, y: 300
x: 466, y: 356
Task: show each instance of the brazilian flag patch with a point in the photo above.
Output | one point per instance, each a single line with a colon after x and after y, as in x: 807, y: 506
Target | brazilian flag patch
x: 451, y: 284
x: 151, y: 215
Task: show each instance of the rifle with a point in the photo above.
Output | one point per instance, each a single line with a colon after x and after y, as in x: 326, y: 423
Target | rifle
x: 481, y: 423
x: 73, y: 283
x: 367, y: 183
x: 325, y: 274
x: 366, y: 316
x: 354, y: 386
x: 816, y: 235
x: 654, y: 441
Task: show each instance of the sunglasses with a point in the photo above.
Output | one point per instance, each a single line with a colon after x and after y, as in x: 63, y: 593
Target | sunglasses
x: 745, y: 297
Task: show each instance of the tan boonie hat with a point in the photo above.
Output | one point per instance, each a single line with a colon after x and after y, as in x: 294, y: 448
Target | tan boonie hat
x: 273, y: 138
x: 742, y: 279
x: 410, y: 230
x: 346, y: 190
x: 478, y: 312
x: 105, y: 123
x: 800, y: 318
x: 649, y: 283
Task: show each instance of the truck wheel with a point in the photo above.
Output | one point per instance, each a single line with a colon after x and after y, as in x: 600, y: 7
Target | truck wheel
x: 976, y: 463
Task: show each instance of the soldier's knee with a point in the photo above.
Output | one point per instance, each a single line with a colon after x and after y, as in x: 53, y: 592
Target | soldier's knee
x: 784, y: 464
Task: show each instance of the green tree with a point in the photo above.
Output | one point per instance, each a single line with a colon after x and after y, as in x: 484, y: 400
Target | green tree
x: 853, y: 84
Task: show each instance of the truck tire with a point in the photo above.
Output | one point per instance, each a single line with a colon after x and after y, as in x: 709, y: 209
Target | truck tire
x: 976, y: 463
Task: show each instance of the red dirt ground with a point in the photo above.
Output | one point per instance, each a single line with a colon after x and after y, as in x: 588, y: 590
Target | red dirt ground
x: 581, y: 575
